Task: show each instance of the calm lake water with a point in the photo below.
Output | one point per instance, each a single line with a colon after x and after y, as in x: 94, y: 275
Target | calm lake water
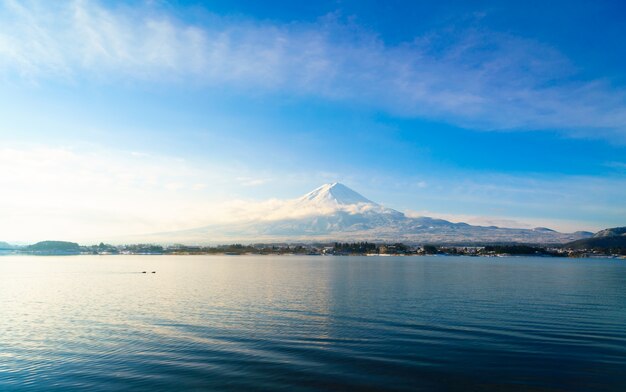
x: 311, y: 323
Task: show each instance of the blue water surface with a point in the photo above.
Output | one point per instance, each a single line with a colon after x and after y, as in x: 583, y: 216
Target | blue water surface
x: 293, y: 323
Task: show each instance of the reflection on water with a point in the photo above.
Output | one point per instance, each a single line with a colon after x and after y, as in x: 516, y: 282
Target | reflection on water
x: 261, y: 322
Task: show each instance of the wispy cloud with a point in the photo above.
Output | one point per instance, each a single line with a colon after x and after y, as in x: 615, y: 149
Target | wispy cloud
x: 252, y: 181
x: 278, y: 209
x: 77, y: 194
x: 474, y: 78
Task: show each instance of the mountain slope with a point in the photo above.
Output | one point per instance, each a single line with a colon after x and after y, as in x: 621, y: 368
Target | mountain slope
x: 334, y: 212
x: 6, y: 245
x: 604, y: 239
x: 613, y: 232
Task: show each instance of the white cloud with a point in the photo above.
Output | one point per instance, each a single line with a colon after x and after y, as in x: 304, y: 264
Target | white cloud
x: 485, y: 80
x: 278, y: 209
x: 87, y: 194
x: 251, y: 181
x: 63, y: 193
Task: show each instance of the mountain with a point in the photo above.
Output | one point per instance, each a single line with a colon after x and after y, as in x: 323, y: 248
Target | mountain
x: 613, y: 232
x: 334, y: 212
x: 544, y: 230
x: 604, y: 239
x: 333, y: 194
x: 6, y: 246
x: 53, y: 247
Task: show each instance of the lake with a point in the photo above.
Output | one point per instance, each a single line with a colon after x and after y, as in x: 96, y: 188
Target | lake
x: 312, y: 323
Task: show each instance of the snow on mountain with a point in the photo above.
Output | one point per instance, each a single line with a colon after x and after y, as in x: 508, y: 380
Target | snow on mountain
x: 612, y: 232
x: 336, y: 212
x: 335, y: 198
x: 543, y: 229
x: 335, y: 193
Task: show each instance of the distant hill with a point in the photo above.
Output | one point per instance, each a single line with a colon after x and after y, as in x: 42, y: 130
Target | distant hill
x: 544, y: 229
x: 6, y: 245
x: 613, y: 238
x: 614, y: 232
x: 54, y: 247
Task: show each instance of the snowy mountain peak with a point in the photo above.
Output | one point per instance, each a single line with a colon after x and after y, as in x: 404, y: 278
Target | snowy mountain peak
x: 335, y: 212
x: 334, y: 193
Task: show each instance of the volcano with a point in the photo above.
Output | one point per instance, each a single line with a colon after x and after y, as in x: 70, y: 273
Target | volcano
x: 334, y: 212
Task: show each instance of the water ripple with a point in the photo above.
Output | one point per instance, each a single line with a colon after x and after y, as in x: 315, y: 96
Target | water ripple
x: 263, y: 323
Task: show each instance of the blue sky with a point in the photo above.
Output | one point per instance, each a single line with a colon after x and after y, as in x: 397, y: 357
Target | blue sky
x: 160, y: 115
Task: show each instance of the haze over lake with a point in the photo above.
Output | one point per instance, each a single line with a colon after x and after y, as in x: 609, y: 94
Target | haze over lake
x: 304, y: 323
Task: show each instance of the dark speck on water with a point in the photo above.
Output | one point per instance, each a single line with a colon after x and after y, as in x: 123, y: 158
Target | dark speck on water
x: 312, y: 323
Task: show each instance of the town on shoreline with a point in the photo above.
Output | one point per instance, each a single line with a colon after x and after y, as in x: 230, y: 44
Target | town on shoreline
x: 335, y: 248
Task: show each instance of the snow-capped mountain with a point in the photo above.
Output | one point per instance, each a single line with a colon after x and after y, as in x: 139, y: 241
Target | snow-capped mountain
x: 333, y: 194
x: 334, y: 212
x: 334, y: 198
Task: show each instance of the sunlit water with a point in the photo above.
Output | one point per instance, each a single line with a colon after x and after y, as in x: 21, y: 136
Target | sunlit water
x: 311, y: 323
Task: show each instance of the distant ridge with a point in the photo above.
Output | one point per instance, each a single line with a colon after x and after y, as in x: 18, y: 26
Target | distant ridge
x: 604, y: 239
x: 544, y: 229
x: 334, y: 212
x: 6, y: 246
x: 53, y: 247
x: 613, y: 232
